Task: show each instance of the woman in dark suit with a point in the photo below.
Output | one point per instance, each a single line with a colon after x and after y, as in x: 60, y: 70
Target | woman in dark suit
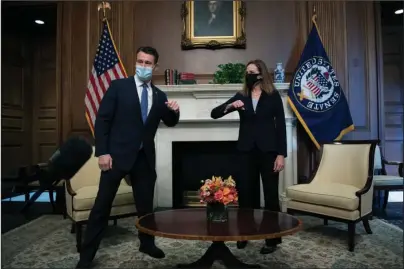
x: 262, y: 140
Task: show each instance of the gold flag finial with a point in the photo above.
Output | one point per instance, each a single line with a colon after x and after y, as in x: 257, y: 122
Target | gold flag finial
x: 104, y: 6
x: 314, y: 17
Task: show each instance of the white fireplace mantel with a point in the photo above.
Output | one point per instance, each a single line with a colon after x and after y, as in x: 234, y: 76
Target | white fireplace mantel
x: 196, y: 102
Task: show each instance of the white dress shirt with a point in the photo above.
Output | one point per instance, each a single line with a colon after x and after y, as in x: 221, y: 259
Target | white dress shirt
x: 139, y: 87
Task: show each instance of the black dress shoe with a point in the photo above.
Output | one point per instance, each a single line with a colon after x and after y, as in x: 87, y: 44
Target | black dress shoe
x: 152, y: 251
x: 241, y: 244
x: 83, y: 265
x: 268, y: 249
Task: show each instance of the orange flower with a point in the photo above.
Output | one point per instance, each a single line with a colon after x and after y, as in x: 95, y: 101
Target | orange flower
x: 226, y: 191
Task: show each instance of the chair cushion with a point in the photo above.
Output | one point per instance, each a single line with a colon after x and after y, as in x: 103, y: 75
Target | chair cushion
x: 381, y: 180
x: 327, y: 194
x: 83, y: 215
x: 85, y: 197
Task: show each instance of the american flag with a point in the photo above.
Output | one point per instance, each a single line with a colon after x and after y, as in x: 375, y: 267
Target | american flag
x: 107, y: 66
x: 316, y: 83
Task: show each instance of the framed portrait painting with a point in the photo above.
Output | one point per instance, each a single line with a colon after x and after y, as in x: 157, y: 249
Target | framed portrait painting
x: 213, y: 24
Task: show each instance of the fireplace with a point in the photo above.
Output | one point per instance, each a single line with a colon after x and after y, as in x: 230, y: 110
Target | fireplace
x: 194, y: 161
x: 196, y: 102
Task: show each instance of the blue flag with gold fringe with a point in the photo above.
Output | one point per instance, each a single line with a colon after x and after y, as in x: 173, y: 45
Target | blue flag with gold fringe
x: 315, y: 94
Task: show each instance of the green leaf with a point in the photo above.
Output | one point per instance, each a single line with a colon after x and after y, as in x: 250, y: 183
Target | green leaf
x: 229, y: 73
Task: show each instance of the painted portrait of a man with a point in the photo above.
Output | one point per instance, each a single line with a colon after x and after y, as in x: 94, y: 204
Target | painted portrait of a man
x: 213, y: 18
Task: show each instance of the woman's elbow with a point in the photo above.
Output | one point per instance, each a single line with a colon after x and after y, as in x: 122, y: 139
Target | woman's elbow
x: 214, y: 114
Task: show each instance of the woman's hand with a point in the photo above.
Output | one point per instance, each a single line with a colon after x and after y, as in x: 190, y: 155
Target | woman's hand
x: 236, y: 105
x: 279, y: 163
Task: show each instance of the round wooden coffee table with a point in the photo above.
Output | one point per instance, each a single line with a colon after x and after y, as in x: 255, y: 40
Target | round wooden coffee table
x: 243, y: 224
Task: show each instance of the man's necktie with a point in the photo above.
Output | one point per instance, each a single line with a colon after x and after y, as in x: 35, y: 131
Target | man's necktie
x: 144, y: 103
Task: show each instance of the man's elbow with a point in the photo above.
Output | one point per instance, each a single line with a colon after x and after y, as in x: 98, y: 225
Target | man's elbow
x: 172, y: 121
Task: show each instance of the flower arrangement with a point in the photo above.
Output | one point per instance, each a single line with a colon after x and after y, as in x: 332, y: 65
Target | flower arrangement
x: 217, y: 190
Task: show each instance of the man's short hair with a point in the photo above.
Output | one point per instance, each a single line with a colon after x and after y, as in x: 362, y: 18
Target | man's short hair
x: 150, y: 51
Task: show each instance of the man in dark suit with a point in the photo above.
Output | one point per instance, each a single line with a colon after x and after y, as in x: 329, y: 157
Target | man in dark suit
x: 127, y: 120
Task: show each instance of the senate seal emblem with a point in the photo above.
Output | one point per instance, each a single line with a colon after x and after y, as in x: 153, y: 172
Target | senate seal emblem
x: 316, y: 86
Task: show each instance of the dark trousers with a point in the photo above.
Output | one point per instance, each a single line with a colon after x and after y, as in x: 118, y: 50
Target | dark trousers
x: 258, y: 163
x: 143, y: 179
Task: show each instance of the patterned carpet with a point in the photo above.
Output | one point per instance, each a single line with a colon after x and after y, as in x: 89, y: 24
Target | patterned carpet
x: 47, y: 243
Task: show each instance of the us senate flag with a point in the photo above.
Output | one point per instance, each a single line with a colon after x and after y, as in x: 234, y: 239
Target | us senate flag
x: 315, y: 94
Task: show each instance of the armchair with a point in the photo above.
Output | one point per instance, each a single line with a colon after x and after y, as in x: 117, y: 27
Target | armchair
x: 29, y: 181
x: 341, y: 188
x: 81, y: 192
x: 384, y: 182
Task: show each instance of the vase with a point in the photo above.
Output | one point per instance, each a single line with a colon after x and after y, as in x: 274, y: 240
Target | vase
x: 279, y: 74
x: 217, y: 212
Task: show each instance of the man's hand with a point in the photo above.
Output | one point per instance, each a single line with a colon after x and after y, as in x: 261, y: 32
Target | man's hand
x: 105, y: 162
x: 279, y: 163
x: 173, y: 105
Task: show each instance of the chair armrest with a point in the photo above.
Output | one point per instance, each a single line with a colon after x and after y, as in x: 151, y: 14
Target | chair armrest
x: 392, y: 162
x: 42, y: 165
x: 366, y: 188
x: 365, y: 196
x: 399, y: 164
x: 69, y: 188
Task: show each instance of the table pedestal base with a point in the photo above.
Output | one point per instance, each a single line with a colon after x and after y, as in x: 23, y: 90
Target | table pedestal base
x: 218, y: 251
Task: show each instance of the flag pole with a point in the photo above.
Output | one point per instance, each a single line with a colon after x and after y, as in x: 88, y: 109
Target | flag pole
x: 104, y: 6
x: 314, y: 17
x: 314, y: 20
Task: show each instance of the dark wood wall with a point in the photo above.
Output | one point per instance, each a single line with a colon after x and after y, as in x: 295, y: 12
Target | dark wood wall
x: 29, y: 86
x: 276, y: 31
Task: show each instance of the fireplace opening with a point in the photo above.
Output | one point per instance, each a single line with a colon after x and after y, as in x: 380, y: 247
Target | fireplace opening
x: 194, y: 161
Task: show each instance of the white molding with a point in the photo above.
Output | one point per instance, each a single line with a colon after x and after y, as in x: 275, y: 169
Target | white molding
x: 210, y: 91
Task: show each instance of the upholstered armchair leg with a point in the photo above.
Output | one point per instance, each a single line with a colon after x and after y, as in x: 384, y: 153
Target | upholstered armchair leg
x: 386, y: 199
x: 52, y: 201
x: 325, y: 222
x: 73, y: 229
x: 78, y: 236
x: 351, y: 236
x: 366, y: 225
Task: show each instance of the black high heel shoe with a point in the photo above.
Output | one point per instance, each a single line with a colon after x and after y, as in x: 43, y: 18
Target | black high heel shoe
x: 241, y: 244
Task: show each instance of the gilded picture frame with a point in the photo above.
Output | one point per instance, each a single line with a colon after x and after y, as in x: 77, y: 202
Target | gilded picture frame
x: 213, y: 25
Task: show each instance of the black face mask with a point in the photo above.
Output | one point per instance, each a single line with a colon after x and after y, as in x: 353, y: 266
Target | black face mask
x: 251, y: 80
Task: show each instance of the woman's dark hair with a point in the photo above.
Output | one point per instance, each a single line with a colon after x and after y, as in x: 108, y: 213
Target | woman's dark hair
x: 266, y: 81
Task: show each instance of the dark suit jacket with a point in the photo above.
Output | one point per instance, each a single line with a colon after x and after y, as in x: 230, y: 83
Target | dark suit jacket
x: 119, y: 129
x: 265, y: 128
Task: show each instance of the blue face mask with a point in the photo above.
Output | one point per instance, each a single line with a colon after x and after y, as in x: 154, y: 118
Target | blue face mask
x: 144, y: 73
